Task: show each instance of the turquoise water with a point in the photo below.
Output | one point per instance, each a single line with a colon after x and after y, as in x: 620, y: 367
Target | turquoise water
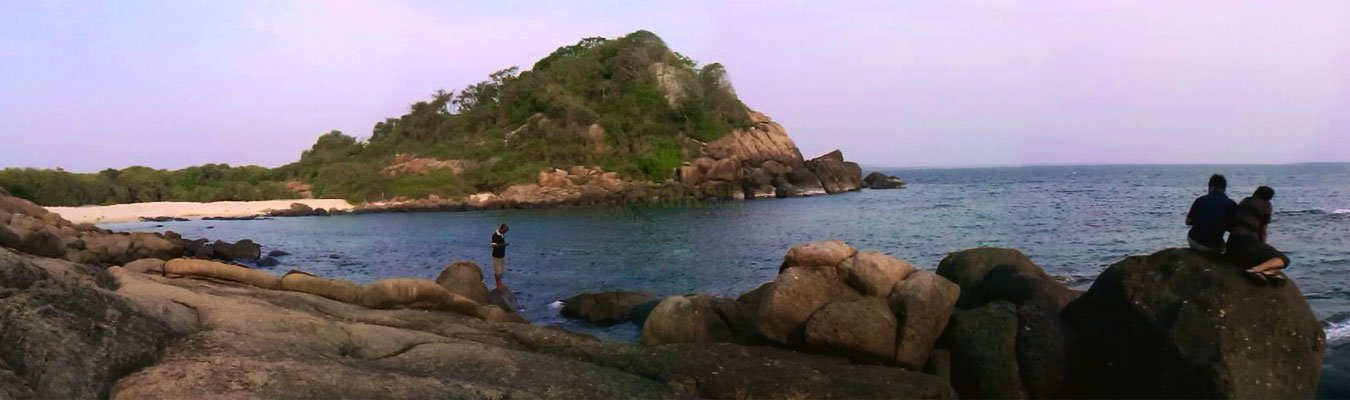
x: 1072, y: 220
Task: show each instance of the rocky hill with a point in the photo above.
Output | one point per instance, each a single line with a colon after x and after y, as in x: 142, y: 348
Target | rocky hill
x: 628, y: 108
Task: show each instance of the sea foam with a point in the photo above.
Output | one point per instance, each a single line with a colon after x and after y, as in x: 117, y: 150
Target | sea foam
x: 1337, y: 332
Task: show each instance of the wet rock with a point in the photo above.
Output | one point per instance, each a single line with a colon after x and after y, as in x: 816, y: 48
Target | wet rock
x: 242, y: 250
x: 877, y: 180
x: 268, y: 261
x: 604, y: 308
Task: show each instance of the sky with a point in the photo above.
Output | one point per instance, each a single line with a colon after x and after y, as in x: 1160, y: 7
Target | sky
x: 168, y: 84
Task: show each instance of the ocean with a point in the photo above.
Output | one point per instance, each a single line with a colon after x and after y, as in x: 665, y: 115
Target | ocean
x: 1073, y: 221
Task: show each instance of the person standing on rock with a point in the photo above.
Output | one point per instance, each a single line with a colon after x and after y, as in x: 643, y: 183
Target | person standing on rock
x: 1247, y: 237
x: 499, y: 254
x: 1210, y: 216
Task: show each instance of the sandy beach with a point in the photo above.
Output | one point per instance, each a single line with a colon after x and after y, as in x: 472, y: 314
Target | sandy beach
x: 133, y: 212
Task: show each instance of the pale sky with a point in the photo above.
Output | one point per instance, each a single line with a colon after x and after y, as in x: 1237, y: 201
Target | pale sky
x: 168, y: 84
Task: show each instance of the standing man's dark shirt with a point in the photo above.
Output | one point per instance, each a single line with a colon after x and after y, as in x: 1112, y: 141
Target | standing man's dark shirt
x: 1210, y: 217
x: 499, y: 245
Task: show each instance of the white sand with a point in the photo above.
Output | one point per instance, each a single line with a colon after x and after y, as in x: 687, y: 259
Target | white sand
x: 133, y: 212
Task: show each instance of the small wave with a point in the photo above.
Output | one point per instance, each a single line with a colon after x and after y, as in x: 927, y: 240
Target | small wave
x: 1337, y: 332
x: 557, y: 305
x: 1314, y: 211
x: 1341, y: 211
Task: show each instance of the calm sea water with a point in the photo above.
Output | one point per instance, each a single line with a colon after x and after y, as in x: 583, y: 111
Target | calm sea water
x: 1072, y: 220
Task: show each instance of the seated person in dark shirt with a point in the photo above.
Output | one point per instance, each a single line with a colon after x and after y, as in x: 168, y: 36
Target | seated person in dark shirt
x: 1210, y: 216
x: 1247, y: 237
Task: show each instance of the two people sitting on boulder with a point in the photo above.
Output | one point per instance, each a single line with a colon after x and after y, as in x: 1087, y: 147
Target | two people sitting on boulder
x: 1214, y: 214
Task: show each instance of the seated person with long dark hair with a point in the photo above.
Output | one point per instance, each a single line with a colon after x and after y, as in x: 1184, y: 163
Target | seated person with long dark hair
x: 1247, y: 237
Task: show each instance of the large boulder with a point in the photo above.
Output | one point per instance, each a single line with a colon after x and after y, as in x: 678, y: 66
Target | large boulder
x: 862, y: 329
x: 877, y: 180
x: 922, y: 304
x: 986, y: 274
x: 604, y: 308
x: 700, y: 318
x: 795, y: 295
x: 464, y: 278
x: 1191, y: 325
x: 874, y: 274
x: 983, y: 343
x: 836, y: 175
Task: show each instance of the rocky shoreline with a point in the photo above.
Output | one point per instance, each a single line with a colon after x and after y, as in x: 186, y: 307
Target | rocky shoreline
x: 835, y: 323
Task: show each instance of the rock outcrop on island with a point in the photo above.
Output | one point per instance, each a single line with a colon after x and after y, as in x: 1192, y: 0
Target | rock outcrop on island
x: 763, y: 162
x: 877, y: 180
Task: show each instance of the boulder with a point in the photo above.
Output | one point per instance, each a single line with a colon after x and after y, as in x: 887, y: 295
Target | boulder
x: 299, y: 281
x: 35, y: 237
x: 1192, y: 325
x: 277, y: 253
x: 464, y: 278
x: 145, y: 266
x: 675, y: 319
x: 795, y: 295
x: 983, y: 342
x: 874, y: 274
x: 822, y: 256
x: 268, y: 261
x: 15, y: 205
x: 877, y: 180
x: 804, y: 182
x: 1043, y: 343
x: 241, y: 250
x: 700, y: 318
x: 605, y: 308
x: 922, y: 304
x: 861, y: 330
x: 986, y: 274
x: 150, y: 245
x: 228, y: 272
x: 836, y: 175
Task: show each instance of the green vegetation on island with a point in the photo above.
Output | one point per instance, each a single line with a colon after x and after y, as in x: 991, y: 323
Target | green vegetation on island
x: 629, y: 105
